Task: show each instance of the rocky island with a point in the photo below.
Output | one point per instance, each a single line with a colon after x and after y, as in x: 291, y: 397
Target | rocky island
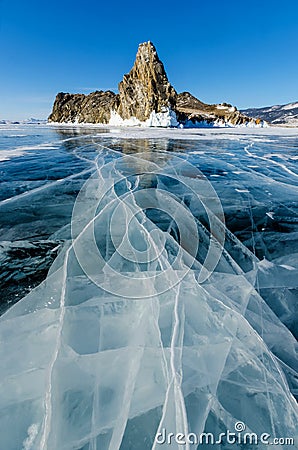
x: 145, y: 97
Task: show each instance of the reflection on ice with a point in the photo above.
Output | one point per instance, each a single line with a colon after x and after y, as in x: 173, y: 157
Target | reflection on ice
x: 157, y: 313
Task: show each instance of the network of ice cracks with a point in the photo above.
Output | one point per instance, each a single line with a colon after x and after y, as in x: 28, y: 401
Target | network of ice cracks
x: 149, y: 319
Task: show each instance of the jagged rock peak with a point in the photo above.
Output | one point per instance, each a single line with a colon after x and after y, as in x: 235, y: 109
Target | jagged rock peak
x: 147, y: 61
x: 146, y: 87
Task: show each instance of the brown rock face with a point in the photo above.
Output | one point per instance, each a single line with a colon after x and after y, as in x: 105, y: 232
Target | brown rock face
x: 146, y: 88
x: 93, y: 108
x: 190, y: 108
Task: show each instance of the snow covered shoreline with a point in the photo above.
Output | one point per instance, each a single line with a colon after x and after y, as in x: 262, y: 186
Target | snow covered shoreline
x: 147, y: 132
x: 167, y: 119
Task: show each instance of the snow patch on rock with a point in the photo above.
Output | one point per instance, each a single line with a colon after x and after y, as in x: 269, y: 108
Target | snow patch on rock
x: 222, y: 124
x: 163, y: 119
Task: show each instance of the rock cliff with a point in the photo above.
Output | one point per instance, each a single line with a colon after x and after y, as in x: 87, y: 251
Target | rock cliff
x: 146, y: 88
x: 143, y: 91
x: 190, y: 109
x: 93, y: 108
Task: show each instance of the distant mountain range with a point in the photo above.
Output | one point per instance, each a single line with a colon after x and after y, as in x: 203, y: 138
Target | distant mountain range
x: 286, y: 115
x: 31, y: 121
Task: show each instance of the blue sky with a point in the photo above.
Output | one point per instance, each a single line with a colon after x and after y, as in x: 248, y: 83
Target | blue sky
x: 240, y: 52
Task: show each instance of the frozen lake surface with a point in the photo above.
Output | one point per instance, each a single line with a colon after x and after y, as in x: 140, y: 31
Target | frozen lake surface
x: 148, y: 283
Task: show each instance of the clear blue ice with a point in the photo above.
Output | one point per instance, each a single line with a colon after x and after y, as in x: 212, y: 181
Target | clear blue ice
x: 170, y: 300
